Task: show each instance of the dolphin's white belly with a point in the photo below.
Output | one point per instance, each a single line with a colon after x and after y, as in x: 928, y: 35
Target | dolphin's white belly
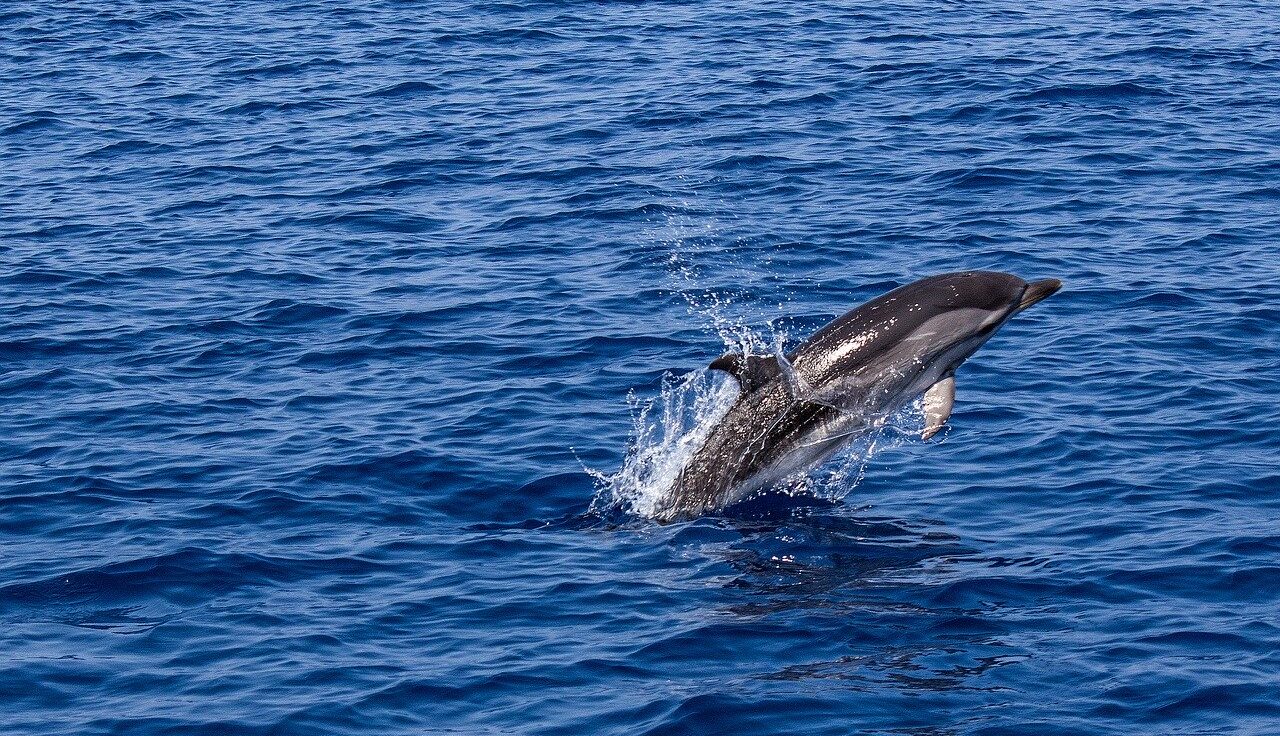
x: 856, y: 417
x: 810, y: 449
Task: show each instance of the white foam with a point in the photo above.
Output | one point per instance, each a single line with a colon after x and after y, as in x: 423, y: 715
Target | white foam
x: 667, y: 431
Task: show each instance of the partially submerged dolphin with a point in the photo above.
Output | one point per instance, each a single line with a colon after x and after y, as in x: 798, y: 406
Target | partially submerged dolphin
x: 796, y: 410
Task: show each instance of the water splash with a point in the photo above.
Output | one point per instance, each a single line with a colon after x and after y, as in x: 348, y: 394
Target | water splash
x: 721, y: 278
x: 667, y: 431
x: 670, y: 428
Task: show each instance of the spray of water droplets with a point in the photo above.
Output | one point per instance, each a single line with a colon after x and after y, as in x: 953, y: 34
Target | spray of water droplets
x: 666, y: 432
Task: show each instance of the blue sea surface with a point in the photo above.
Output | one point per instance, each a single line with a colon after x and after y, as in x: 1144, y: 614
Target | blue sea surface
x: 326, y: 329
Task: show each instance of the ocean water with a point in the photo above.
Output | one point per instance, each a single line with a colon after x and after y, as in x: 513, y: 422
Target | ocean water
x: 326, y: 330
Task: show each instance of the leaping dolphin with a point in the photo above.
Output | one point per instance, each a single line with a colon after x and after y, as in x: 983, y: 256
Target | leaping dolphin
x: 798, y: 409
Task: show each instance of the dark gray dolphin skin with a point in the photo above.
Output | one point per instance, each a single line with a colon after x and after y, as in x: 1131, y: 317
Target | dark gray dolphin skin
x: 796, y: 410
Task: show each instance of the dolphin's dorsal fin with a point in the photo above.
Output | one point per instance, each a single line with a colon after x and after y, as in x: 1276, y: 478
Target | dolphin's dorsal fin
x: 938, y: 401
x: 752, y: 371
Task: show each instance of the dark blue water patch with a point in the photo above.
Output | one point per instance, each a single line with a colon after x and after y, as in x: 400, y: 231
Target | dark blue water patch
x: 122, y: 594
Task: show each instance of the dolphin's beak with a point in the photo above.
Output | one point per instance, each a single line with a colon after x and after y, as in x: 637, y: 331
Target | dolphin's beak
x: 1038, y: 290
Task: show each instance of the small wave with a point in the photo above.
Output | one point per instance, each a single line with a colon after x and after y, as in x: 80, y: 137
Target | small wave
x: 131, y: 145
x: 502, y: 36
x: 981, y: 177
x: 39, y: 121
x: 286, y: 68
x: 1119, y: 92
x: 383, y: 219
x: 406, y: 89
x: 290, y: 313
x: 254, y: 107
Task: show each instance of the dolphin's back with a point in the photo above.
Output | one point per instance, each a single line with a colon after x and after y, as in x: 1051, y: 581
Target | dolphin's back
x: 886, y: 322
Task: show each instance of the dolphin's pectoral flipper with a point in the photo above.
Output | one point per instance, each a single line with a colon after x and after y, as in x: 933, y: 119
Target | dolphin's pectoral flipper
x: 752, y: 371
x: 938, y: 401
